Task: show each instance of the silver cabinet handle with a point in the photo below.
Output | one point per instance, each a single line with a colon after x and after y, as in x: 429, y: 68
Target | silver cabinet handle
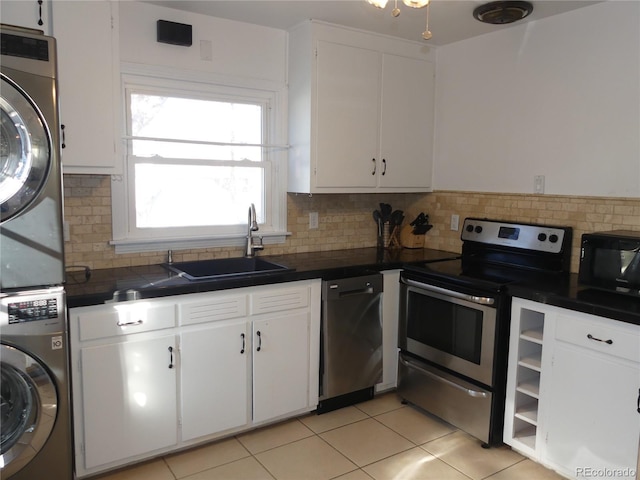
x: 130, y: 324
x: 468, y: 391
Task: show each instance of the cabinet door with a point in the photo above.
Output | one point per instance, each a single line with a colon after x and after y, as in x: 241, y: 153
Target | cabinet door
x: 129, y: 399
x: 214, y: 363
x: 27, y: 13
x: 347, y: 104
x: 280, y: 365
x: 406, y: 117
x: 88, y: 66
x: 591, y: 416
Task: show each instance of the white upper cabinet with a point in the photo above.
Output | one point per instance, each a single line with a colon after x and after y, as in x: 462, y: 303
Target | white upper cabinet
x: 361, y: 112
x: 88, y: 66
x: 27, y: 13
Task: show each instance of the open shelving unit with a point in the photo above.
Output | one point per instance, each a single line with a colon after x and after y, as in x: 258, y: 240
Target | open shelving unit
x: 525, y: 389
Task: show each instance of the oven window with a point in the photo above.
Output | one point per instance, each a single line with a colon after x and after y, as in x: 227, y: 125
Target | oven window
x: 445, y: 326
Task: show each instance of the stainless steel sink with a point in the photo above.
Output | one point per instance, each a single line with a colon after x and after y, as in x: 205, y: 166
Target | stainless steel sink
x: 225, y: 268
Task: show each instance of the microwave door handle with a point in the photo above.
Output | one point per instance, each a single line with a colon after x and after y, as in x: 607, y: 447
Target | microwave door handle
x: 451, y: 293
x: 468, y: 391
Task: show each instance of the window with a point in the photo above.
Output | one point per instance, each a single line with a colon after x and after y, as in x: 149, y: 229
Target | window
x: 197, y: 155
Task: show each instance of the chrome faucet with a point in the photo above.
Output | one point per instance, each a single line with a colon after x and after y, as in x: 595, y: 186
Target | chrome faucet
x: 252, y: 246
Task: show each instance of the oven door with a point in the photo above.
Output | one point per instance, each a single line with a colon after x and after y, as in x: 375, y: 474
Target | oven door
x: 448, y: 328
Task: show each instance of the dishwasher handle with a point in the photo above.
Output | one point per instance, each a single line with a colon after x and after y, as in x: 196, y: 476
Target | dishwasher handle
x: 368, y: 290
x: 352, y: 287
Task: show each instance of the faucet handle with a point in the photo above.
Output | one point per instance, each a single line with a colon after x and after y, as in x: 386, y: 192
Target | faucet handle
x: 257, y: 243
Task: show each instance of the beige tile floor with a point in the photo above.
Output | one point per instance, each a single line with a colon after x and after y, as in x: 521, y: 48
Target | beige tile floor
x: 380, y: 439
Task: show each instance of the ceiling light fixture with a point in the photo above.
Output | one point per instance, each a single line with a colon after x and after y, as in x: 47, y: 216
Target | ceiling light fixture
x: 409, y: 3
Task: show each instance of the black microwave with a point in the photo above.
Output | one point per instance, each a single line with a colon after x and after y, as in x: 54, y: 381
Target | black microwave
x: 611, y: 261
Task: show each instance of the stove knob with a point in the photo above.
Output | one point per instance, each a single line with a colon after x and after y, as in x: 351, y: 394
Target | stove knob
x: 553, y: 238
x: 469, y: 228
x: 542, y: 237
x: 478, y: 229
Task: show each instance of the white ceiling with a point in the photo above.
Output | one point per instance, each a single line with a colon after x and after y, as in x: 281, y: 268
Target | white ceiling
x: 450, y: 20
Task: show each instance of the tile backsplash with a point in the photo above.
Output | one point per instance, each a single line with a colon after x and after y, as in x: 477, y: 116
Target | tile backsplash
x: 345, y: 220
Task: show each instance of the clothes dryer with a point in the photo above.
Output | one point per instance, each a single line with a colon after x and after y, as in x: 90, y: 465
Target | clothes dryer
x: 36, y: 441
x: 31, y: 234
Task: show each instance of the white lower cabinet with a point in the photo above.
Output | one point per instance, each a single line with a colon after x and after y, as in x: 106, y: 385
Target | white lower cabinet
x: 152, y: 376
x: 127, y: 391
x: 214, y: 379
x: 573, y: 391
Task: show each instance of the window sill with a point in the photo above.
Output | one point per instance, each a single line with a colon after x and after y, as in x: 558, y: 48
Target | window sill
x: 159, y: 245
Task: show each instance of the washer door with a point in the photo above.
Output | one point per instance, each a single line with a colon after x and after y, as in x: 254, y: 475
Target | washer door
x: 25, y: 150
x: 28, y: 408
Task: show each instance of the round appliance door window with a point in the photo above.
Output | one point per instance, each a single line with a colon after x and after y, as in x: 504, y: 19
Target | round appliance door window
x: 28, y: 406
x: 25, y: 150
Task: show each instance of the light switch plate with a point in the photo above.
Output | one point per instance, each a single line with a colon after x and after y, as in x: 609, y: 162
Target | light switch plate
x: 538, y: 184
x: 313, y: 220
x: 455, y: 221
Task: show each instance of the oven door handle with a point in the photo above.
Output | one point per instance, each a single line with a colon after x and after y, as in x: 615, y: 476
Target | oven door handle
x: 468, y: 391
x: 451, y: 293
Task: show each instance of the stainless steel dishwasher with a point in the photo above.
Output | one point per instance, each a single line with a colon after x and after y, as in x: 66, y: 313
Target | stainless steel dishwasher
x: 351, y: 340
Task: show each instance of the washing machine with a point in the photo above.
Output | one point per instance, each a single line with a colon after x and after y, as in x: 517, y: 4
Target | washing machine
x: 35, y: 414
x: 31, y: 233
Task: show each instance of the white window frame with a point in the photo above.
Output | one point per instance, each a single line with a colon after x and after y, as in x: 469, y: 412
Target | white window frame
x: 128, y: 239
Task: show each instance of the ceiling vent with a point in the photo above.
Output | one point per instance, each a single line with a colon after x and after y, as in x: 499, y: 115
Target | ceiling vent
x: 501, y: 12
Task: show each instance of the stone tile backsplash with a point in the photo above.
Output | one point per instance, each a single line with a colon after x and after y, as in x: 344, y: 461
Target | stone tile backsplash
x: 345, y: 220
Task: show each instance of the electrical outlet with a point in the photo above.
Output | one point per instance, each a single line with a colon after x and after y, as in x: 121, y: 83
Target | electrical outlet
x: 455, y: 220
x: 313, y: 220
x: 538, y: 184
x: 66, y: 231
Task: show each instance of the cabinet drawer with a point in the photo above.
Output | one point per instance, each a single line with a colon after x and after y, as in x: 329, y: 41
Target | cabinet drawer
x: 211, y: 308
x: 606, y: 336
x: 123, y: 319
x: 279, y: 299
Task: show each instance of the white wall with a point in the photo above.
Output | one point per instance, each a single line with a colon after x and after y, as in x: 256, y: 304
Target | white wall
x: 237, y: 49
x: 558, y: 97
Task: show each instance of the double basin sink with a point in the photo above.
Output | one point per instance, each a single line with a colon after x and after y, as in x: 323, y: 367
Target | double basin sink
x: 225, y: 268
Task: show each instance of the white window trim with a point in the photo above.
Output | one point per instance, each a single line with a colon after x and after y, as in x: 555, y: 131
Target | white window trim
x: 126, y: 241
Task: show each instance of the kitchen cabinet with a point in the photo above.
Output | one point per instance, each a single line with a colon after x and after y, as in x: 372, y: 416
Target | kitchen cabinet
x: 27, y: 13
x: 152, y: 376
x: 578, y: 413
x: 88, y: 81
x: 361, y: 112
x: 124, y: 382
x: 214, y: 363
x: 285, y: 349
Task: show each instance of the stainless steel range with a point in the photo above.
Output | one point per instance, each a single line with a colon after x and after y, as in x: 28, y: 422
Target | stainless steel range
x: 455, y: 315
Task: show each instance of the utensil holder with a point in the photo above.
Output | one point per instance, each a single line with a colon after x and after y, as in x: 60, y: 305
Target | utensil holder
x: 384, y: 235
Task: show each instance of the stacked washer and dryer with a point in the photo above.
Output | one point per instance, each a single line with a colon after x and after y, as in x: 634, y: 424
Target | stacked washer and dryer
x: 35, y: 418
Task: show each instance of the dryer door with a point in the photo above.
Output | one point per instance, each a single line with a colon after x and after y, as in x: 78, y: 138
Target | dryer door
x: 25, y: 150
x: 28, y: 408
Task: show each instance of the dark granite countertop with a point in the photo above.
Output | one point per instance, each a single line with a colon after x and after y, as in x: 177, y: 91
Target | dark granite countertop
x: 157, y: 281
x: 569, y: 294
